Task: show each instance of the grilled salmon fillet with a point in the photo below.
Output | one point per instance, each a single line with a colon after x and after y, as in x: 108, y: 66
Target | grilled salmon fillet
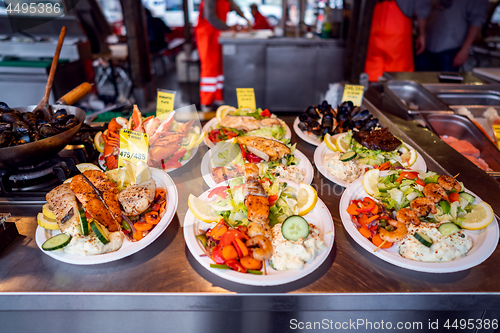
x: 108, y: 190
x: 267, y: 149
x: 64, y: 204
x: 256, y: 199
x: 248, y: 123
x: 92, y: 204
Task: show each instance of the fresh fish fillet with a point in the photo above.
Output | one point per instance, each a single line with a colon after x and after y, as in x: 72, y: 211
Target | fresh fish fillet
x: 267, y: 149
x: 108, y: 190
x: 248, y: 123
x: 256, y: 199
x: 92, y: 204
x: 479, y: 162
x: 462, y: 146
x: 64, y: 204
x: 137, y: 198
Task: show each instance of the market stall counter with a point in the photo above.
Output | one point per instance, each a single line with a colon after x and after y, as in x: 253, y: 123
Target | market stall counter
x: 164, y: 288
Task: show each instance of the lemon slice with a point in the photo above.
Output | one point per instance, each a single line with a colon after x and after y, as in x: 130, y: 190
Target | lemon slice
x: 408, y: 156
x: 46, y: 223
x: 341, y: 145
x: 370, y: 181
x: 47, y: 212
x: 201, y: 210
x: 480, y: 217
x: 142, y: 173
x: 329, y: 142
x: 99, y: 142
x: 306, y: 199
x: 196, y: 140
x: 82, y: 167
x: 223, y: 111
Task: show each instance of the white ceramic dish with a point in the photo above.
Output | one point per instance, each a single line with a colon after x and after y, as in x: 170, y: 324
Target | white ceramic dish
x: 484, y: 241
x: 305, y: 166
x: 320, y: 216
x: 323, y: 150
x: 309, y: 138
x: 128, y: 248
x: 210, y: 125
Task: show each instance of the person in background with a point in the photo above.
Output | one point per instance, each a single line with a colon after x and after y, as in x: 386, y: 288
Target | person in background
x: 390, y: 45
x: 451, y: 29
x: 157, y: 31
x: 259, y: 21
x: 211, y: 21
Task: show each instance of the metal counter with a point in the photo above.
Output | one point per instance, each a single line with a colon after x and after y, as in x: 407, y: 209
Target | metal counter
x: 163, y: 289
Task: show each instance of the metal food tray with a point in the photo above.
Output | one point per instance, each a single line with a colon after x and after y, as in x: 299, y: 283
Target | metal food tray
x: 405, y: 92
x: 462, y: 128
x: 476, y: 98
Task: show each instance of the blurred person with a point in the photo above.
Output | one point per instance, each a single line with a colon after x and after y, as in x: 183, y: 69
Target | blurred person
x: 390, y: 46
x: 157, y: 31
x: 259, y: 20
x: 211, y: 21
x: 451, y: 29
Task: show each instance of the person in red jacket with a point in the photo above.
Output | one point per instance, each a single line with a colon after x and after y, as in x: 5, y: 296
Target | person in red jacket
x: 259, y: 21
x: 211, y: 21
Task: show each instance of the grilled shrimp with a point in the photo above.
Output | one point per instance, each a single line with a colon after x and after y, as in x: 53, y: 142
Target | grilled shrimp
x: 407, y: 216
x: 423, y: 206
x: 435, y: 192
x: 449, y: 183
x: 264, y: 249
x: 395, y: 235
x: 255, y: 229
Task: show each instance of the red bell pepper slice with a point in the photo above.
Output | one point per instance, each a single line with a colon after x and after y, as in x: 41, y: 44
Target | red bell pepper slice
x: 454, y: 197
x: 217, y: 255
x: 231, y: 235
x: 272, y: 199
x: 240, y: 247
x: 265, y: 113
x: 252, y: 158
x: 367, y: 205
x: 243, y: 153
x: 420, y: 182
x: 235, y: 265
x: 220, y: 191
x: 407, y: 175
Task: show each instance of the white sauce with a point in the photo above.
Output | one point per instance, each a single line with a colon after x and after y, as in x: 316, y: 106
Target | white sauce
x: 291, y: 172
x: 91, y: 245
x: 288, y: 255
x: 347, y: 171
x: 443, y: 248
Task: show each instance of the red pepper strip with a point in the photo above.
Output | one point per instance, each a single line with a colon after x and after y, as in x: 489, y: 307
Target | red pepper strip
x: 371, y: 219
x: 407, y: 175
x: 220, y: 191
x: 235, y: 265
x: 420, y: 182
x: 454, y: 197
x: 238, y: 186
x: 231, y: 235
x: 272, y: 199
x: 217, y: 255
x: 265, y: 113
x: 370, y: 205
x: 243, y: 153
x: 88, y: 215
x: 252, y: 158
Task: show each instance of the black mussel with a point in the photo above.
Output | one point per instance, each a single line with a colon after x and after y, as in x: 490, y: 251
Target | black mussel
x: 40, y: 123
x: 325, y: 105
x: 20, y: 128
x: 19, y: 114
x: 303, y: 117
x: 314, y: 127
x: 347, y: 105
x: 6, y: 138
x: 29, y: 118
x: 303, y: 127
x: 34, y: 136
x: 47, y: 130
x: 5, y: 127
x: 348, y: 125
x: 64, y: 126
x: 39, y: 115
x: 64, y: 119
x: 369, y: 125
x: 327, y: 121
x: 25, y: 138
x: 4, y: 107
x: 313, y: 112
x: 10, y: 117
x: 60, y: 113
x: 363, y: 115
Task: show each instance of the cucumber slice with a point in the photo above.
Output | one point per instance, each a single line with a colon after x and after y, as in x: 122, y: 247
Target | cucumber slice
x: 84, y: 224
x: 422, y: 238
x: 445, y: 206
x: 447, y: 229
x: 294, y: 228
x: 348, y: 156
x: 99, y: 231
x: 56, y: 242
x: 469, y: 197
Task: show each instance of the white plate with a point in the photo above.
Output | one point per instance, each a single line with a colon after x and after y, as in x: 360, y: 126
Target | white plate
x: 210, y: 125
x: 484, y: 241
x: 128, y: 248
x: 309, y: 138
x: 101, y: 161
x: 323, y: 150
x: 320, y: 216
x: 305, y: 166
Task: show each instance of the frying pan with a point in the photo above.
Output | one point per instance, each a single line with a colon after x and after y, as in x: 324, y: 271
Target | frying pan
x: 33, y: 152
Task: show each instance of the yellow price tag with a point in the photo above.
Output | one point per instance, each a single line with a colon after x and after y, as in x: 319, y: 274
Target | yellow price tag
x: 496, y: 129
x: 164, y: 101
x: 353, y: 93
x: 246, y: 98
x: 133, y: 147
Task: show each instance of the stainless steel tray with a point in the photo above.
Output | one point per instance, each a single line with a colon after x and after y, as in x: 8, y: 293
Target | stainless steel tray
x: 409, y: 93
x: 462, y: 128
x: 469, y: 96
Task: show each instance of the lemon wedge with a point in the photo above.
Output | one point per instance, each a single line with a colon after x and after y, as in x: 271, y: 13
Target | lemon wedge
x: 223, y: 111
x: 201, y: 210
x: 46, y: 223
x: 306, y: 198
x: 99, y: 142
x: 82, y: 167
x: 142, y: 173
x: 329, y: 142
x: 196, y: 140
x: 47, y: 212
x: 341, y: 145
x: 408, y: 157
x: 480, y: 217
x: 370, y: 181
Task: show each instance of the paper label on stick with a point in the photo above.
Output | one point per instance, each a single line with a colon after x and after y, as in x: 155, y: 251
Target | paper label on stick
x: 353, y: 93
x: 496, y: 129
x: 164, y: 101
x: 246, y: 98
x: 133, y: 147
